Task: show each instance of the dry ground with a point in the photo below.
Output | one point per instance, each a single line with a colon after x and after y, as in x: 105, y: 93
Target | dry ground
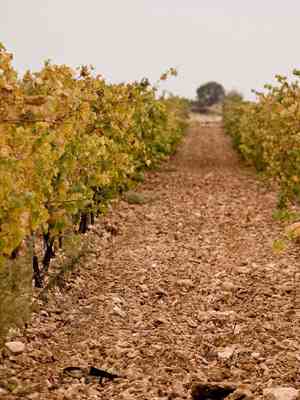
x: 188, y: 289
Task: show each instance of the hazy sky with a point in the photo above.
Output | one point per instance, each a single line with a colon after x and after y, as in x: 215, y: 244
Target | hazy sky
x: 239, y: 43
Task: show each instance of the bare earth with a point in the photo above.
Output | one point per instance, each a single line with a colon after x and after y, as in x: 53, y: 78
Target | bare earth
x: 187, y: 289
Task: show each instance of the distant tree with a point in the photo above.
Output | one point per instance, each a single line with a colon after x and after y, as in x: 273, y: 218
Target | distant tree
x: 234, y: 95
x: 210, y: 93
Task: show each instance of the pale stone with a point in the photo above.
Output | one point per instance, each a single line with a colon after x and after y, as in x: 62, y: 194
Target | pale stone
x: 228, y: 286
x: 119, y: 312
x: 34, y: 396
x: 15, y: 347
x: 186, y: 282
x: 227, y: 352
x: 282, y: 393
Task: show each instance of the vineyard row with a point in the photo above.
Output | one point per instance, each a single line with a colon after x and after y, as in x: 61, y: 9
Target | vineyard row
x: 69, y: 141
x: 267, y: 133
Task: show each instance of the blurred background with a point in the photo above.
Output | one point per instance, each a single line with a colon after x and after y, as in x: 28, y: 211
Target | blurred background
x: 237, y: 43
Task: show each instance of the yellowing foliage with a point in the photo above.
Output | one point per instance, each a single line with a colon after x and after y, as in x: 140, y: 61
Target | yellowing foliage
x: 267, y: 133
x: 67, y: 137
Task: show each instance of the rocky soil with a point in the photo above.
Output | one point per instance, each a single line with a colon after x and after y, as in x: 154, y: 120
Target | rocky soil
x: 182, y: 289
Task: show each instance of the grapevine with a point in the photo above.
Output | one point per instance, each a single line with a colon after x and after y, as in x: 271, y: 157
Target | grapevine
x: 267, y: 133
x: 68, y: 140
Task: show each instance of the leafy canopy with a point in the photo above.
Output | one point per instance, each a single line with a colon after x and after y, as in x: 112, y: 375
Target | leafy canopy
x: 210, y: 93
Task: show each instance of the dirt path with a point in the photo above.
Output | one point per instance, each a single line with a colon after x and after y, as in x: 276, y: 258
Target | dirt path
x: 189, y: 289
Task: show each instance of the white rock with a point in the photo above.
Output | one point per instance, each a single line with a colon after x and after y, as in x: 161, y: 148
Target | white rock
x: 119, y: 312
x: 227, y: 352
x: 117, y: 300
x: 15, y: 347
x: 282, y: 393
x: 186, y: 282
x: 3, y: 391
x: 33, y: 396
x: 228, y: 286
x: 220, y: 315
x: 44, y: 313
x: 197, y: 214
